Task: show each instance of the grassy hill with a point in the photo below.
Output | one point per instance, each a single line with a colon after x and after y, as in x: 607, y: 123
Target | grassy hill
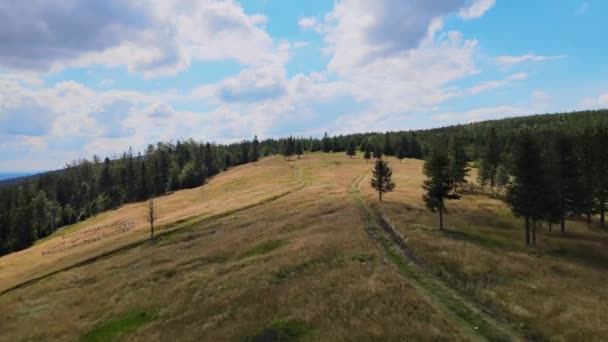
x: 302, y: 250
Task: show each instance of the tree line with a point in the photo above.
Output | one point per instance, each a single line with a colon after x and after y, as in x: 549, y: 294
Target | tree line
x: 551, y: 167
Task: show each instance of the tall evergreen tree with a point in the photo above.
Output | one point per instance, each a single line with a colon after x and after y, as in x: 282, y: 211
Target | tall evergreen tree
x: 524, y: 196
x: 600, y: 170
x: 368, y: 153
x: 457, y: 162
x: 438, y: 183
x: 377, y: 153
x: 254, y: 154
x: 492, y: 156
x: 299, y: 149
x: 502, y: 178
x: 382, y: 178
x: 567, y: 181
x: 326, y: 143
x: 351, y: 150
x: 388, y: 146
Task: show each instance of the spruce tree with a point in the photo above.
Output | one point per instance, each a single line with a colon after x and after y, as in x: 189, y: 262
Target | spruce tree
x: 299, y: 149
x: 377, y: 153
x: 381, y: 178
x: 254, y: 154
x: 351, y: 150
x: 567, y: 180
x: 326, y: 143
x: 457, y: 163
x: 368, y: 153
x: 524, y: 196
x: 400, y: 154
x: 438, y: 183
x: 502, y: 178
x: 492, y: 156
x: 600, y: 170
x: 388, y: 147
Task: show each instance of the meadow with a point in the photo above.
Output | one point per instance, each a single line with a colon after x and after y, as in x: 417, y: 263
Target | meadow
x: 303, y: 250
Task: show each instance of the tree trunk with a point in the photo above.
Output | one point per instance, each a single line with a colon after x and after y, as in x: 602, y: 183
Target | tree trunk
x: 380, y: 194
x: 588, y: 216
x: 152, y: 231
x: 602, y: 214
x: 527, y: 231
x: 534, y: 232
x: 550, y: 226
x: 441, y: 218
x: 563, y: 223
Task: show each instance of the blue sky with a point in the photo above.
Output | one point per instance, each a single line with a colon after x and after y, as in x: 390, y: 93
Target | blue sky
x: 84, y: 78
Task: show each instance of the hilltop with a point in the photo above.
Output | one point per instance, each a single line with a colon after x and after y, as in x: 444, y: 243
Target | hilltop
x: 302, y: 249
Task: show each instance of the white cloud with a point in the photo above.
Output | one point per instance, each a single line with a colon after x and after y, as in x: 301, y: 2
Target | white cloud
x: 600, y: 101
x: 490, y: 85
x: 510, y: 60
x: 150, y: 37
x: 477, y: 9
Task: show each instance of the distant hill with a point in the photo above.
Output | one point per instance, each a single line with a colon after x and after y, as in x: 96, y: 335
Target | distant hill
x: 12, y: 178
x: 4, y: 176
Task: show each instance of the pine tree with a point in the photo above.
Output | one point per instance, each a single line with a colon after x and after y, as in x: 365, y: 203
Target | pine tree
x: 600, y: 170
x: 567, y: 180
x: 483, y: 174
x: 299, y: 149
x: 492, y: 156
x: 586, y: 152
x: 438, y: 183
x: 377, y: 153
x: 351, y: 150
x: 368, y: 153
x: 400, y: 154
x: 527, y: 186
x: 457, y: 163
x: 388, y: 147
x: 326, y: 143
x: 502, y: 177
x: 381, y: 178
x: 254, y: 154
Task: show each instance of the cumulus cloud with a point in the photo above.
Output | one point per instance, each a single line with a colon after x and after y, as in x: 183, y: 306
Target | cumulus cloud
x: 476, y: 9
x: 510, y: 60
x: 149, y: 37
x: 253, y: 85
x: 600, y: 101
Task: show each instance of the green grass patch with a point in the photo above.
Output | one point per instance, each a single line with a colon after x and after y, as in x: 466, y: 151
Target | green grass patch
x: 281, y: 331
x: 114, y: 328
x: 263, y: 248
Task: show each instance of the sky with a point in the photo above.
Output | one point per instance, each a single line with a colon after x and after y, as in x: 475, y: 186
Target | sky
x: 84, y: 78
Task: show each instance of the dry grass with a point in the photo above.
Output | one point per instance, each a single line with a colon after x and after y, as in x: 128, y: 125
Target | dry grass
x: 229, y: 278
x: 302, y: 265
x: 556, y: 291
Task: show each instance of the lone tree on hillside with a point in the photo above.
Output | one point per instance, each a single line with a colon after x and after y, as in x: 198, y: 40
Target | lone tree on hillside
x: 326, y: 143
x: 438, y: 184
x: 381, y: 178
x: 254, y: 154
x: 299, y: 149
x: 151, y: 217
x: 351, y: 150
x: 368, y: 153
x: 400, y: 153
x: 524, y: 194
x: 377, y: 153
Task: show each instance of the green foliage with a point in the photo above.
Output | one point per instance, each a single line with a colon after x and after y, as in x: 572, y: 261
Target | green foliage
x: 382, y: 178
x: 115, y: 328
x: 351, y: 150
x: 457, y: 158
x: 438, y: 183
x: 263, y: 248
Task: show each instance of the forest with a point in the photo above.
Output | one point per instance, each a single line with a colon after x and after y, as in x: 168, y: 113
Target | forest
x: 549, y: 168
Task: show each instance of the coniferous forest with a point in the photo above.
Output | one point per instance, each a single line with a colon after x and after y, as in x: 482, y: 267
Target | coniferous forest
x: 549, y: 168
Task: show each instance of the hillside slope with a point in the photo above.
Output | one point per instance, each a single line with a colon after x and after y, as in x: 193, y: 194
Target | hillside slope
x: 302, y: 249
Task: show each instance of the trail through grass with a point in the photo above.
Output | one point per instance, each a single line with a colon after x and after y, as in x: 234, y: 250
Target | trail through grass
x: 474, y: 322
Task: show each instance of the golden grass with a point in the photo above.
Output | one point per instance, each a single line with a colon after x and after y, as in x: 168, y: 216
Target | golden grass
x: 205, y: 282
x: 555, y: 291
x: 305, y: 262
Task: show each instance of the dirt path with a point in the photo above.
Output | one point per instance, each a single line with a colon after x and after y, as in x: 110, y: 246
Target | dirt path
x: 475, y: 324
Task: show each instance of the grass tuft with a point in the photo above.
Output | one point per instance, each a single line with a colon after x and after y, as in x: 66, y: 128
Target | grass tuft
x: 114, y: 328
x: 263, y: 248
x: 281, y: 331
